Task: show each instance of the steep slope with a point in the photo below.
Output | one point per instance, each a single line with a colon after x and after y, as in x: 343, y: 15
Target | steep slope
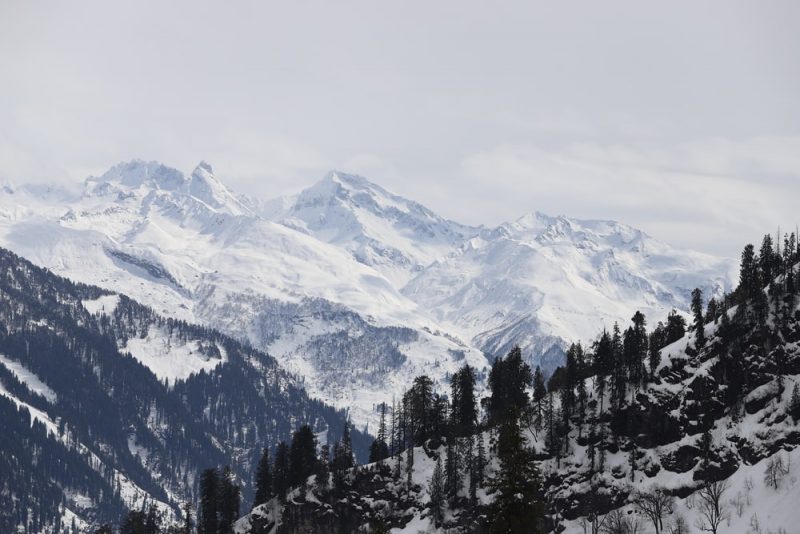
x: 542, y: 280
x: 105, y: 404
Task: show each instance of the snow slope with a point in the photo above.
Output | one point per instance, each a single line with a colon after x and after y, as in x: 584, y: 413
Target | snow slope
x: 542, y: 280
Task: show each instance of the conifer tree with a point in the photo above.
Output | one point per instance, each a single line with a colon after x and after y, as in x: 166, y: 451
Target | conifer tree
x: 697, y: 310
x: 437, y: 493
x: 263, y: 480
x: 302, y: 455
x: 479, y: 468
x: 602, y: 365
x: 229, y: 501
x: 323, y: 471
x: 280, y: 471
x: 539, y: 391
x: 464, y: 413
x: 517, y: 506
x: 208, y: 522
x: 379, y: 450
x: 509, y: 380
x: 452, y: 470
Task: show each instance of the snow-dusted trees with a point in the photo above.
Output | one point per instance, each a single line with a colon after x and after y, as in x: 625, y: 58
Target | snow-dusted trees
x: 655, y: 503
x: 712, y: 510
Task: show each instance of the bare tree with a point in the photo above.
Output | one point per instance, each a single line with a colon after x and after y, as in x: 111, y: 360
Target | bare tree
x: 655, y: 504
x: 712, y: 509
x: 679, y: 526
x: 775, y: 472
x: 738, y: 503
x: 619, y: 522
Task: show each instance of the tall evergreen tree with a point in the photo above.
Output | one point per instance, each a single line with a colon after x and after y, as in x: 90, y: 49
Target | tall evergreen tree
x: 302, y: 455
x: 464, y: 412
x: 517, y: 507
x: 280, y: 471
x: 208, y: 520
x: 229, y: 501
x: 263, y: 480
x: 437, y: 494
x: 697, y: 310
x: 509, y: 380
x: 603, y: 357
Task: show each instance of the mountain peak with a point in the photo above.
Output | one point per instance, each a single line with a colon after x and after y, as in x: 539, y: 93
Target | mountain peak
x: 136, y: 173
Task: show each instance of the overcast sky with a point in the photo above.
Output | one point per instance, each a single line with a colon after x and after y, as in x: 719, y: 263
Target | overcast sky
x: 681, y: 118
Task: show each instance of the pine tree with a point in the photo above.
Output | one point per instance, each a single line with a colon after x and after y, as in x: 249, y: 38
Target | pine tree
x: 229, y: 501
x: 697, y: 310
x: 794, y: 403
x: 437, y: 493
x: 509, y: 380
x: 452, y: 470
x: 479, y: 468
x: 464, y: 413
x: 539, y: 391
x: 603, y: 357
x: 263, y: 480
x: 323, y: 472
x: 209, y: 500
x: 517, y: 506
x: 302, y: 456
x: 280, y: 471
x: 766, y: 261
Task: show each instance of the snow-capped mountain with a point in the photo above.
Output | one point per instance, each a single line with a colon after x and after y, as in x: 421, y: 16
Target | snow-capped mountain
x: 350, y: 286
x: 541, y: 280
x: 398, y: 237
x: 192, y: 249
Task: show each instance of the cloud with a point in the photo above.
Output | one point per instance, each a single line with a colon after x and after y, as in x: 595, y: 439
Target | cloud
x: 711, y: 194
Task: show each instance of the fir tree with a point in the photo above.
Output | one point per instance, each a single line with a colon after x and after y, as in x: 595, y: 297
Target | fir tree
x: 509, y: 380
x: 263, y: 480
x: 302, y: 456
x: 603, y: 357
x: 479, y: 468
x: 697, y: 310
x: 517, y: 507
x: 208, y: 521
x: 229, y: 501
x: 379, y: 450
x: 323, y: 471
x: 437, y: 494
x: 464, y: 412
x: 280, y: 471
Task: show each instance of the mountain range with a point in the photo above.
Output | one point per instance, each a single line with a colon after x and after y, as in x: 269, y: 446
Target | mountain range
x: 351, y: 287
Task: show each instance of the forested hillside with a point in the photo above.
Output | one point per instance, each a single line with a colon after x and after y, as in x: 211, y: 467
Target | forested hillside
x: 107, y: 406
x: 674, y: 428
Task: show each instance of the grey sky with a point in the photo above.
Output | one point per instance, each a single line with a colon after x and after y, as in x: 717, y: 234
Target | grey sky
x: 681, y: 118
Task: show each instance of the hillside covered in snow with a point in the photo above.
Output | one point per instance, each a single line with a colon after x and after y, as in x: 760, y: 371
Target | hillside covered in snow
x: 671, y: 427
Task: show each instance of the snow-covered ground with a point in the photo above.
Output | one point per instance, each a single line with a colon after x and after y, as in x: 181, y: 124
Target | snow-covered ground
x: 171, y: 358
